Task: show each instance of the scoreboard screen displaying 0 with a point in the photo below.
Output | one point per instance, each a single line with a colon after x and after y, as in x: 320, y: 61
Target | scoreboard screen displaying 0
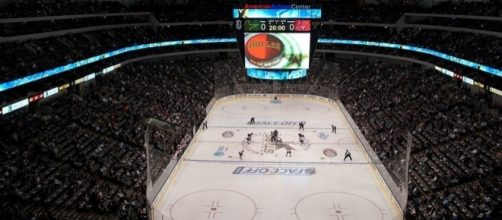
x: 277, y: 50
x: 277, y: 26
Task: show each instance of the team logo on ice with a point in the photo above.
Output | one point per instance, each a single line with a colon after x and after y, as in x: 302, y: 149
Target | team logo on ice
x: 328, y: 152
x: 323, y: 136
x: 220, y: 151
x: 290, y: 171
x: 228, y: 134
x: 277, y: 123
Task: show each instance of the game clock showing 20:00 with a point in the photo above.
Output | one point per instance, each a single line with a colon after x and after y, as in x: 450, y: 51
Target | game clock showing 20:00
x: 277, y: 26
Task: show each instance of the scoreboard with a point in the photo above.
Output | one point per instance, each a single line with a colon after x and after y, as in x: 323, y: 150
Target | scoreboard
x: 277, y: 26
x: 275, y: 40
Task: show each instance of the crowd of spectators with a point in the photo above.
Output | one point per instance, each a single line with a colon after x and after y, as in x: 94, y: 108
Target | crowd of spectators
x: 196, y: 11
x: 82, y: 155
x: 350, y: 11
x: 40, y: 8
x: 15, y: 29
x: 30, y: 56
x: 479, y: 24
x: 483, y: 49
x: 40, y: 54
x: 490, y: 8
x: 94, y: 140
x: 456, y: 150
x: 37, y: 55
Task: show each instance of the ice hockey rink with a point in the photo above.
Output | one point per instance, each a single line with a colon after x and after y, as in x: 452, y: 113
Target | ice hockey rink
x: 315, y: 183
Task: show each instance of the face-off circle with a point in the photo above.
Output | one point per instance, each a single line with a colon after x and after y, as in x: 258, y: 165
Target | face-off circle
x: 214, y: 204
x: 329, y: 152
x: 337, y: 205
x: 227, y: 134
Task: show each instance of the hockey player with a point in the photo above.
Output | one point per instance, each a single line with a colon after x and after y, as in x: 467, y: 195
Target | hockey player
x: 347, y: 154
x: 204, y: 125
x: 252, y: 121
x: 333, y: 129
x: 288, y: 151
x: 274, y: 136
x: 302, y: 124
x: 301, y: 137
x: 302, y: 141
x: 248, y: 138
x: 241, y: 153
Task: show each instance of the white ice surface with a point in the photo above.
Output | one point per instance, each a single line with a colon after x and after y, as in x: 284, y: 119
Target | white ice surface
x: 212, y: 182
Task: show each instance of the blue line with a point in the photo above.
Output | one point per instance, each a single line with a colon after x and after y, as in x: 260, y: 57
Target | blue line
x: 61, y: 69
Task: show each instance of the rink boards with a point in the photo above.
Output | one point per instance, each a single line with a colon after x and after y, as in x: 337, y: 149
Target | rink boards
x: 212, y: 182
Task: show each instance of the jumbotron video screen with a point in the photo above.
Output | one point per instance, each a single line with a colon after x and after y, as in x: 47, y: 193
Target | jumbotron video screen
x: 277, y: 50
x: 275, y: 40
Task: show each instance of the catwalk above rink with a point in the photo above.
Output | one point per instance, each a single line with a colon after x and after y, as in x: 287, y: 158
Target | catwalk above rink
x: 314, y: 182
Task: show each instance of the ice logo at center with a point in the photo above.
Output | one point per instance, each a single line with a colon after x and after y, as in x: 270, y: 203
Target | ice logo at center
x: 227, y: 134
x: 323, y: 136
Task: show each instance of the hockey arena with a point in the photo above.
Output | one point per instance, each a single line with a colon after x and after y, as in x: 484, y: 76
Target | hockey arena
x: 314, y: 182
x: 250, y: 109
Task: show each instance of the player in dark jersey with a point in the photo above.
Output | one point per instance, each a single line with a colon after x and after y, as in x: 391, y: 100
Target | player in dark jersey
x: 301, y: 137
x: 248, y: 138
x: 333, y: 129
x: 288, y: 151
x: 241, y: 153
x: 347, y: 154
x: 274, y: 136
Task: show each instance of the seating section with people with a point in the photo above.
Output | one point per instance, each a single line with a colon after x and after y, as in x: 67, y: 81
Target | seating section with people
x: 456, y: 150
x: 82, y: 156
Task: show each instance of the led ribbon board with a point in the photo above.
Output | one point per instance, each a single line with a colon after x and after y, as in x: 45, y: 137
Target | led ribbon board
x: 61, y: 69
x: 275, y: 13
x: 256, y: 73
x: 464, y: 62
